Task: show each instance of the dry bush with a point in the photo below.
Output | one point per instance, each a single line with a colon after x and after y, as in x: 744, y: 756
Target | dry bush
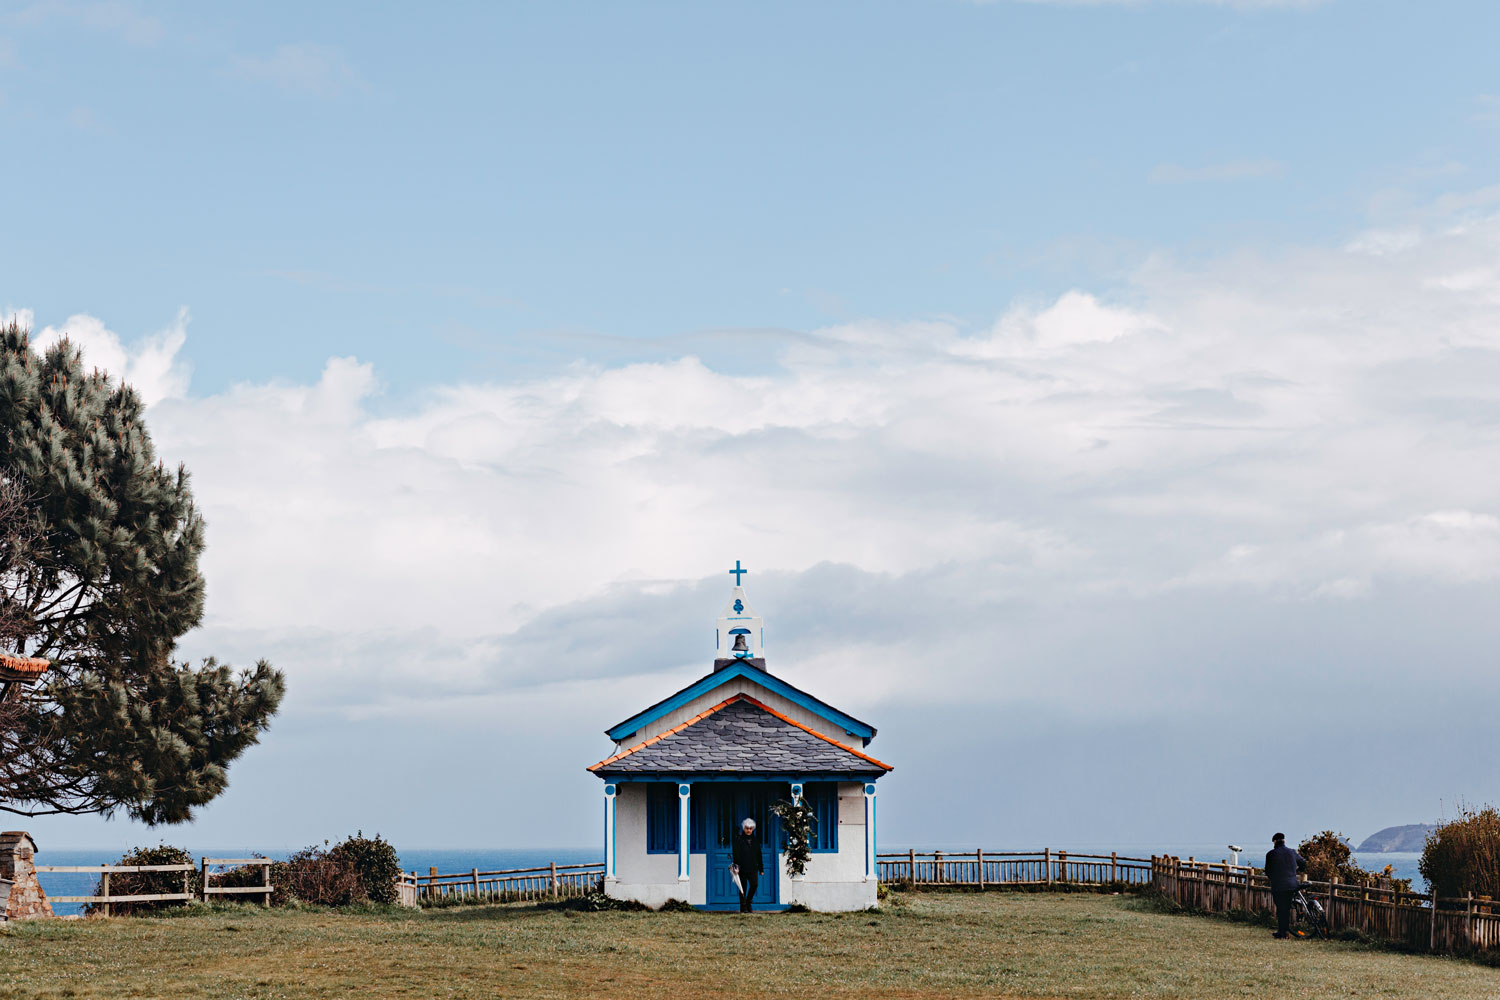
x: 1463, y: 855
x: 314, y: 875
x: 1328, y: 856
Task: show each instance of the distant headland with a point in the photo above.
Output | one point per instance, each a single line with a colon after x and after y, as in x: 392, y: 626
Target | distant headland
x: 1396, y: 838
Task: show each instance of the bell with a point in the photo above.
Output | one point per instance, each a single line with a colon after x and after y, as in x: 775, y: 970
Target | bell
x: 740, y: 645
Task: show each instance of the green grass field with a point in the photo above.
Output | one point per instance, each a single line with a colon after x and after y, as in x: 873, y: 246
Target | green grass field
x: 924, y: 945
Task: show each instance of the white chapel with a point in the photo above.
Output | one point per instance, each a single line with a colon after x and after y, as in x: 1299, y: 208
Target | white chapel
x: 688, y: 769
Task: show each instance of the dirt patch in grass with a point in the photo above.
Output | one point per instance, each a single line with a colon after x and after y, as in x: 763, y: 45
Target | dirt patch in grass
x: 924, y: 946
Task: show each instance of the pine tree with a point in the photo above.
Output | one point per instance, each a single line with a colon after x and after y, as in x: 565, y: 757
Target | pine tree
x: 105, y: 580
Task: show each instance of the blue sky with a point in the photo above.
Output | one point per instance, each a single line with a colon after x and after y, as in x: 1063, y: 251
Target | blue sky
x: 1120, y: 372
x: 509, y: 184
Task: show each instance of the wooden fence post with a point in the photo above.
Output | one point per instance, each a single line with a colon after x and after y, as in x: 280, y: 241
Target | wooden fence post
x: 979, y: 865
x: 1062, y: 866
x: 474, y: 876
x: 554, y: 880
x: 104, y: 891
x: 266, y: 881
x: 937, y: 867
x: 1432, y: 931
x: 1469, y: 921
x: 186, y: 886
x: 911, y: 864
x: 1047, y: 866
x: 1333, y: 891
x: 1114, y: 867
x: 203, y: 878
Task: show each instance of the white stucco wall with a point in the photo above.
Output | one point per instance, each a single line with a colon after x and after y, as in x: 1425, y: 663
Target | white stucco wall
x: 649, y: 878
x: 835, y: 881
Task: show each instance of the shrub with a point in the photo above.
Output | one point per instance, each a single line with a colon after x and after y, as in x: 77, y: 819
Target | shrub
x: 1328, y: 856
x: 1463, y: 855
x: 358, y: 869
x: 592, y: 902
x: 375, y: 863
x: 147, y: 883
x: 314, y: 875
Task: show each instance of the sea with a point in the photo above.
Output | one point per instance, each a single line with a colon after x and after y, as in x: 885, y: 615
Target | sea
x: 454, y: 860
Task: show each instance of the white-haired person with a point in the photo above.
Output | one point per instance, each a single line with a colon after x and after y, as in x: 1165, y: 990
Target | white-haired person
x: 747, y: 862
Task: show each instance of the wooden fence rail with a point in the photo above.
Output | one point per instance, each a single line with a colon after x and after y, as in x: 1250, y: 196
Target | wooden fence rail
x: 208, y: 889
x: 1413, y: 919
x: 103, y: 899
x: 981, y: 869
x: 551, y: 881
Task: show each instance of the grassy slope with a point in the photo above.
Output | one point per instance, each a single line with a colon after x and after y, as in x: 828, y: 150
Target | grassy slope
x: 933, y: 945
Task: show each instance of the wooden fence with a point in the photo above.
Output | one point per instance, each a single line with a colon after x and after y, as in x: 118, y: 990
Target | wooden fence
x: 552, y: 881
x: 1412, y: 919
x: 208, y: 889
x: 980, y: 869
x: 104, y: 899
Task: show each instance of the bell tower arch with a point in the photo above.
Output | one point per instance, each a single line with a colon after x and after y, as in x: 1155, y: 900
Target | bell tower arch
x: 741, y: 634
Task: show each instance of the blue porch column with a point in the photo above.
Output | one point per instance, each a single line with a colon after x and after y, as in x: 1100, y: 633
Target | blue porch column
x: 870, y: 868
x: 684, y: 841
x: 609, y: 830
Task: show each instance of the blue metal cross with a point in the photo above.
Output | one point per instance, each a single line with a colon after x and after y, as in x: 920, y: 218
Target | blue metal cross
x: 738, y: 572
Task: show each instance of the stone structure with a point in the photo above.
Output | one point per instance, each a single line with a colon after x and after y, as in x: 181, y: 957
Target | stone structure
x: 24, y: 898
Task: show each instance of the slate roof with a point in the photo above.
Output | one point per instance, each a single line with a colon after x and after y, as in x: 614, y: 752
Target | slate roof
x: 741, y: 736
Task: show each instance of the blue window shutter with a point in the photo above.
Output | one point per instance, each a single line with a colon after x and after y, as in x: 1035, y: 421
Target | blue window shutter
x: 661, y: 818
x: 698, y: 821
x: 823, y: 796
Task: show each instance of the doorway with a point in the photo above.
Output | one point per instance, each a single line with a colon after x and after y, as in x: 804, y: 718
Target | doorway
x: 724, y: 807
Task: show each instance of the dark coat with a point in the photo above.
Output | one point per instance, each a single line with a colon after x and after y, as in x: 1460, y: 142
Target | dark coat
x: 1282, y: 866
x: 747, y: 852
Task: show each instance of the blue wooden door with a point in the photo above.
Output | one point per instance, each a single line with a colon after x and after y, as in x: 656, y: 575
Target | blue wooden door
x: 727, y: 805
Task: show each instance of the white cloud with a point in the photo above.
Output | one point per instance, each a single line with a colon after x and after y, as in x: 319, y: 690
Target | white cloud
x: 1235, y: 170
x: 1316, y: 429
x: 302, y: 67
x: 150, y: 364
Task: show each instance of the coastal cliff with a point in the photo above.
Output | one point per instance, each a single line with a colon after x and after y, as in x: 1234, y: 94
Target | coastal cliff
x: 1396, y: 838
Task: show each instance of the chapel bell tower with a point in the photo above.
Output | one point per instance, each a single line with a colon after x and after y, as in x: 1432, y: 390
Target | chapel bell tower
x: 741, y: 633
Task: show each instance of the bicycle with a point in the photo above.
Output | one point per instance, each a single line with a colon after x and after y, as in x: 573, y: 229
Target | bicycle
x: 1311, y: 911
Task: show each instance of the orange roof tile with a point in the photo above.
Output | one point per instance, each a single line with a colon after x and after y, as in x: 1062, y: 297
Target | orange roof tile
x: 724, y: 704
x: 30, y: 666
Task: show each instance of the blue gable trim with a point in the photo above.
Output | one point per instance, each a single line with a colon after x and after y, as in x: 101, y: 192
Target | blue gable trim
x: 770, y: 682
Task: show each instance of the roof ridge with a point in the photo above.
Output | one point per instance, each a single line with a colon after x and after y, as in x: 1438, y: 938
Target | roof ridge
x: 741, y: 696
